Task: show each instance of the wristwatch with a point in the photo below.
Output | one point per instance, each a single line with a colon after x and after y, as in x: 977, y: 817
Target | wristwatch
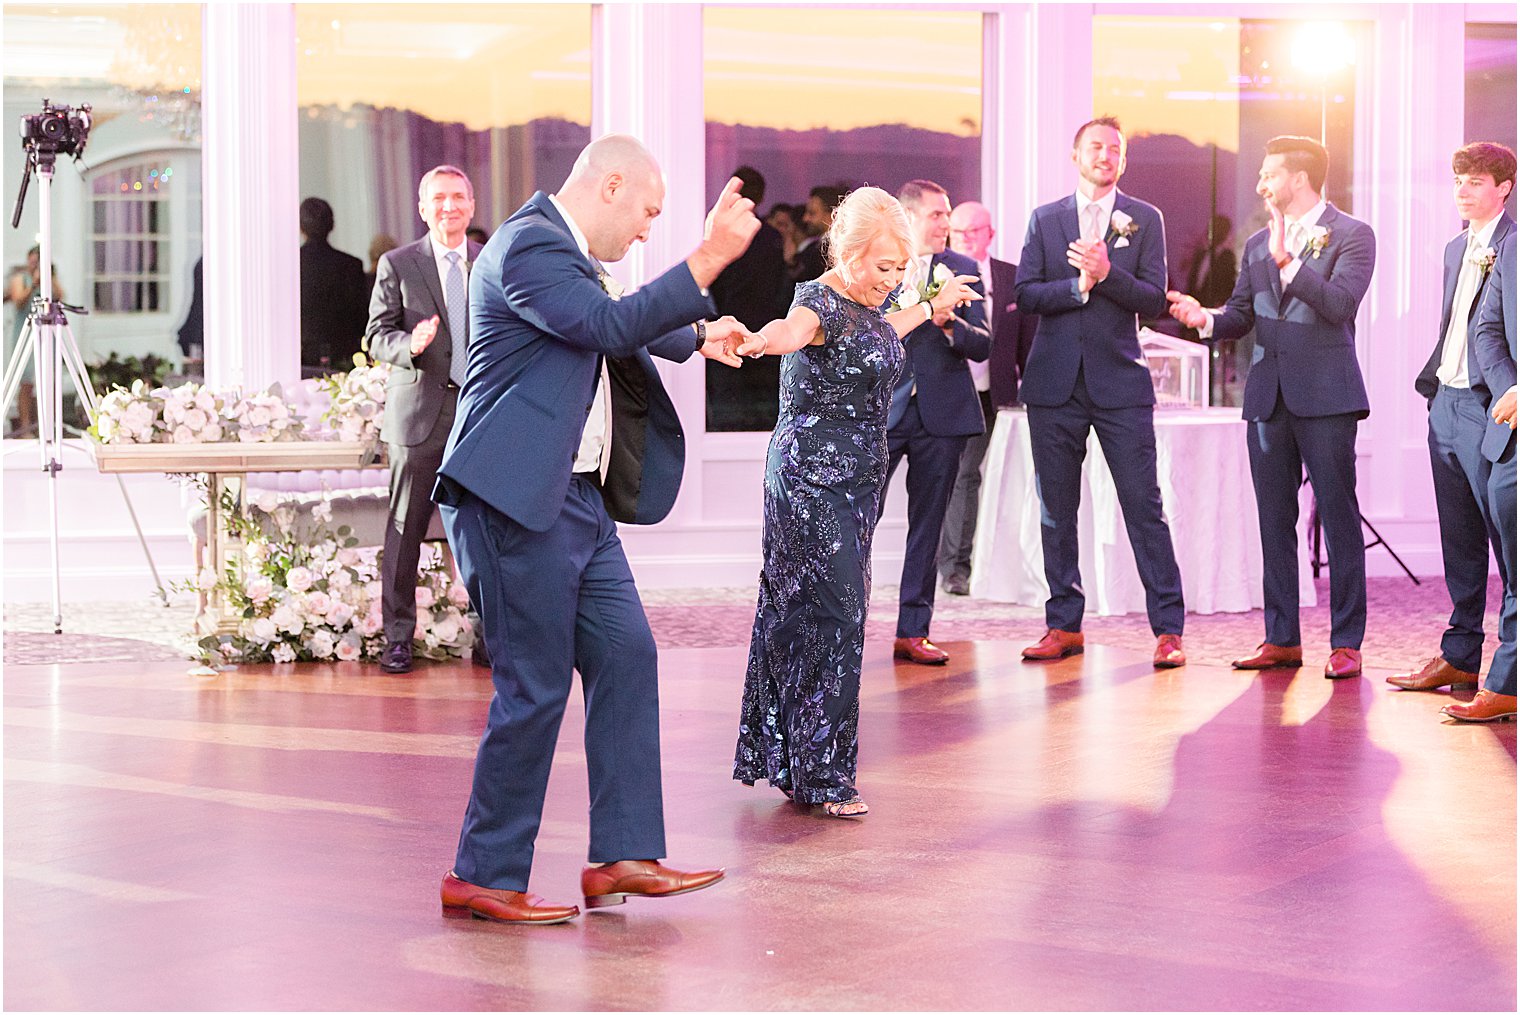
x: 701, y: 327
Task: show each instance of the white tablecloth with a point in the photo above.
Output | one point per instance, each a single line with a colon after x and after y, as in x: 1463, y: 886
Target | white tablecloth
x: 1206, y: 493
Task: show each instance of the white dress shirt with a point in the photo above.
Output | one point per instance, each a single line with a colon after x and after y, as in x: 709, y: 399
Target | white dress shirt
x: 1105, y: 206
x: 597, y: 435
x: 1452, y: 370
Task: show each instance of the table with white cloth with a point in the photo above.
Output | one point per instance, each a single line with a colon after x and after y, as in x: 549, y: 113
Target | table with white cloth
x: 1206, y: 494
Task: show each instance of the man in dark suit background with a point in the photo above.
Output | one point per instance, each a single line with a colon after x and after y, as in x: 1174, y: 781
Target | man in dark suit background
x: 563, y: 426
x: 971, y: 234
x: 934, y: 410
x: 813, y: 252
x: 755, y: 290
x: 333, y: 297
x: 419, y: 323
x: 1093, y: 264
x: 1492, y: 362
x: 1301, y: 281
x: 1484, y: 176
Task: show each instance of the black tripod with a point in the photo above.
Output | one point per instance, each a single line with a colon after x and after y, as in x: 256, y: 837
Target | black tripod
x: 1316, y: 539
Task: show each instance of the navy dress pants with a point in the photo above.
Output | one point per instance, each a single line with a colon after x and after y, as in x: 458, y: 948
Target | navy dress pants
x: 552, y: 602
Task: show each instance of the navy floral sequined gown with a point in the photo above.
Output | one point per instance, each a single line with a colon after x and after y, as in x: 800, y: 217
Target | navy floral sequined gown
x: 823, y: 483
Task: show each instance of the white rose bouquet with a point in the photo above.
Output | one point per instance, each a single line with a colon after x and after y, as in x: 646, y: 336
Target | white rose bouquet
x: 129, y: 415
x: 925, y: 290
x: 357, y: 404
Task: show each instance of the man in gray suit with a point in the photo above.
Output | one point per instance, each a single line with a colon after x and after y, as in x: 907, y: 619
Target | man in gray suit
x: 419, y: 323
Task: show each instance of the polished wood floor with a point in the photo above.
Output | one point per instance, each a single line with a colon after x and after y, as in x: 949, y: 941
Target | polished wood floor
x: 1083, y: 835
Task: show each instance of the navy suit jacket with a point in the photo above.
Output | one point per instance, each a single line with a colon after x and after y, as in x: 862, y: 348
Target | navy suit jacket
x: 1012, y: 334
x: 1305, y: 334
x: 1427, y: 383
x: 1099, y: 337
x: 407, y: 292
x: 540, y: 326
x: 947, y: 399
x: 1493, y: 345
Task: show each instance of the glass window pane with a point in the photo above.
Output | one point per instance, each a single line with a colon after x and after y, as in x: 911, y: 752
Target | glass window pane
x: 1199, y: 98
x: 388, y: 91
x: 1491, y: 83
x: 832, y: 99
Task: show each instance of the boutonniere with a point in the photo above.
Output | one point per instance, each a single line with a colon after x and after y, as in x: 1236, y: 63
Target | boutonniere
x: 613, y: 287
x: 1484, y: 259
x: 912, y: 296
x: 1319, y: 239
x: 1120, y: 228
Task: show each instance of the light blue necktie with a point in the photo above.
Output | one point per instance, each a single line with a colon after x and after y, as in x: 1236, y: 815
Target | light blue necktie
x: 459, y: 317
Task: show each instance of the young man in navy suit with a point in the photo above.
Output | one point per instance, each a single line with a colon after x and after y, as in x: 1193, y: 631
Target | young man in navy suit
x: 1301, y: 281
x: 563, y: 427
x: 419, y: 324
x: 1492, y: 362
x: 1093, y: 264
x: 934, y: 409
x: 1484, y: 175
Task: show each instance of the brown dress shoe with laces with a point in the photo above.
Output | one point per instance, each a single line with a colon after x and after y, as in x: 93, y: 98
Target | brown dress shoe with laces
x: 1169, y: 652
x: 1434, y: 675
x: 1486, y: 707
x: 1056, y: 644
x: 919, y: 650
x: 611, y: 885
x: 1344, y: 663
x: 1270, y: 657
x: 462, y: 900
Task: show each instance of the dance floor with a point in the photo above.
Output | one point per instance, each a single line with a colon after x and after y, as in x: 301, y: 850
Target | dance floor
x: 1089, y: 834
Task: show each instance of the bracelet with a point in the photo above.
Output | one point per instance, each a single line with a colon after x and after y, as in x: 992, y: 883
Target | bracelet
x: 765, y: 341
x: 928, y: 311
x: 701, y: 327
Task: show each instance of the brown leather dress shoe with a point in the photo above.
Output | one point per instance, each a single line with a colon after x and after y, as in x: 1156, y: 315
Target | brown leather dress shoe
x: 1343, y: 664
x: 1270, y: 657
x: 1434, y: 675
x: 611, y: 885
x: 1056, y: 644
x: 919, y: 650
x: 462, y: 900
x: 1169, y: 652
x: 1486, y: 707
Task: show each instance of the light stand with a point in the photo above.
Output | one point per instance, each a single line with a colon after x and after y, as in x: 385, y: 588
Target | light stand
x: 49, y: 342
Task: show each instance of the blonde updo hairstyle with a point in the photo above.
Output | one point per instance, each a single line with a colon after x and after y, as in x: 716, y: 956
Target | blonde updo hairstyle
x: 865, y: 214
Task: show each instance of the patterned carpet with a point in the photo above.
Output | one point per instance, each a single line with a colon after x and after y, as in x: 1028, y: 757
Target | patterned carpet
x: 1405, y: 623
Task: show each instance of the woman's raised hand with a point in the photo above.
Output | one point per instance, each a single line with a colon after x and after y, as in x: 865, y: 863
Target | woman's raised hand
x: 956, y: 292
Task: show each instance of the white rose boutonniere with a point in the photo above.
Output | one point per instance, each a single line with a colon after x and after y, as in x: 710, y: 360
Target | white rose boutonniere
x: 1120, y: 228
x: 1484, y: 259
x: 1319, y: 239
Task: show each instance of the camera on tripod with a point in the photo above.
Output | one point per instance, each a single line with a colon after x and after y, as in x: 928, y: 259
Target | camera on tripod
x: 57, y: 130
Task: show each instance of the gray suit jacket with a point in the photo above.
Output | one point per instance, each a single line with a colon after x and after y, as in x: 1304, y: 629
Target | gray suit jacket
x: 407, y: 290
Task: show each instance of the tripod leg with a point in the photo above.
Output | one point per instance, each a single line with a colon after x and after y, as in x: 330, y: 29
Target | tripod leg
x: 1378, y: 540
x: 16, y: 368
x: 50, y: 441
x: 68, y: 351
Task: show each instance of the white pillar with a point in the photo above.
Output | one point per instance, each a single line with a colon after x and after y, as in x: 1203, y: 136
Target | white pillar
x: 638, y: 89
x: 250, y: 196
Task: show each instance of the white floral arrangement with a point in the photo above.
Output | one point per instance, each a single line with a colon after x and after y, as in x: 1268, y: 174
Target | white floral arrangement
x: 1484, y: 259
x: 924, y: 291
x: 315, y: 595
x: 357, y: 404
x: 193, y: 414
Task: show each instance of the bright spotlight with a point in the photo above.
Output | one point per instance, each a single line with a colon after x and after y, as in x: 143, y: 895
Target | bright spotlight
x: 1322, y: 47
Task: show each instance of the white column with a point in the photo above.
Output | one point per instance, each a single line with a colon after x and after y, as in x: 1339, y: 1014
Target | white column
x: 638, y: 88
x: 1409, y: 121
x: 251, y: 196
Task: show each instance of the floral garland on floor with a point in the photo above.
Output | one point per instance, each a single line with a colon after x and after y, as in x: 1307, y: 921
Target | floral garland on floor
x: 314, y: 595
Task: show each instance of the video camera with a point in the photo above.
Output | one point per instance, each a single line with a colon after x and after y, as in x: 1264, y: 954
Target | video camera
x: 57, y: 130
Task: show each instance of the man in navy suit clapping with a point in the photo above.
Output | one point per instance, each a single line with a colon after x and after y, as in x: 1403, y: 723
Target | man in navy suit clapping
x: 1093, y: 264
x: 1301, y: 281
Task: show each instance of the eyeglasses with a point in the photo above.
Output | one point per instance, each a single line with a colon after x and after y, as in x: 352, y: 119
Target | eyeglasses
x: 971, y: 232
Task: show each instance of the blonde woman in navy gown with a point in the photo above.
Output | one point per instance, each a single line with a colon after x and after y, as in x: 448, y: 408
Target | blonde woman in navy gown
x: 823, y: 483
